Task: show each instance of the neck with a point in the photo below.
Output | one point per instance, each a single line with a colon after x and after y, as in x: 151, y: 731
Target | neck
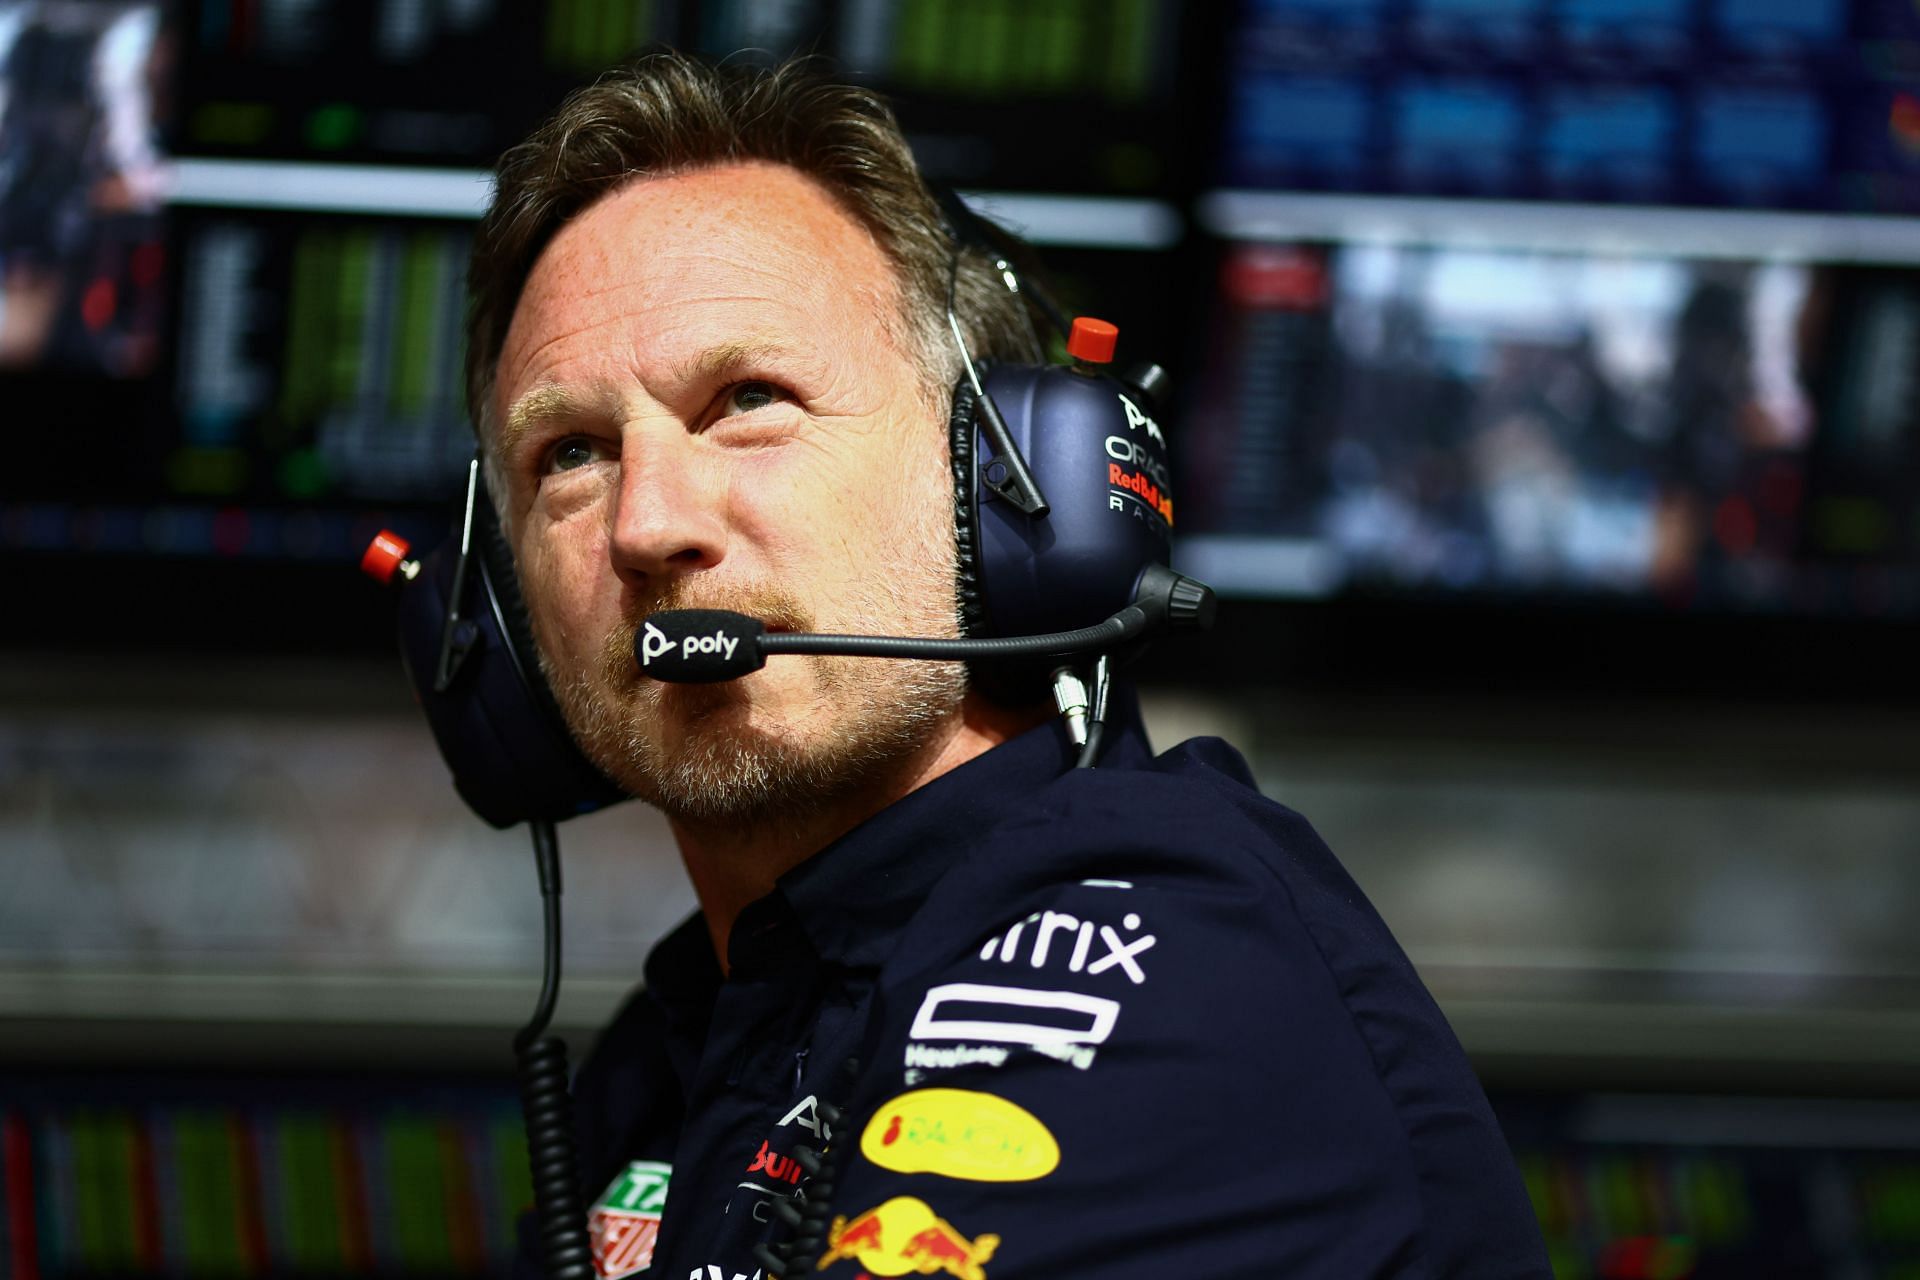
x: 732, y: 864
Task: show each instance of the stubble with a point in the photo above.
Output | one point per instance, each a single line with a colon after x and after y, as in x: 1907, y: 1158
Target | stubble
x: 713, y: 754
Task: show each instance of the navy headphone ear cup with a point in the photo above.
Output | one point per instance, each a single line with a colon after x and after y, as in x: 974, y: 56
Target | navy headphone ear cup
x: 1010, y: 684
x: 502, y: 582
x: 497, y: 723
x: 969, y: 588
x: 576, y: 780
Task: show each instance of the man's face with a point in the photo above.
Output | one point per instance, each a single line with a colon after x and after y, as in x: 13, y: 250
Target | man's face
x: 704, y: 402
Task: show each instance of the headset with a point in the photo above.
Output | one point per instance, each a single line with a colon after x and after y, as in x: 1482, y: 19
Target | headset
x: 1063, y: 512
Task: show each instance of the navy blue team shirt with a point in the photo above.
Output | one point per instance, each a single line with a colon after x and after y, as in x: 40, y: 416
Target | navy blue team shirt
x: 1124, y: 1022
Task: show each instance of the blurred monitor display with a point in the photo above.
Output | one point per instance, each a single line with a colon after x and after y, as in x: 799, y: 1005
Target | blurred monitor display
x: 260, y: 322
x: 1611, y: 299
x: 311, y: 395
x: 1698, y: 1187
x: 81, y: 177
x: 319, y: 373
x: 1614, y: 301
x: 1718, y: 433
x: 1806, y: 104
x: 380, y: 1174
x: 259, y: 1173
x: 400, y: 81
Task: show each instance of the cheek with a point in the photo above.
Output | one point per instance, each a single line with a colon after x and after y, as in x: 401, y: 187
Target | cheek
x: 566, y: 500
x: 830, y: 514
x: 557, y: 581
x: 567, y: 521
x: 916, y: 495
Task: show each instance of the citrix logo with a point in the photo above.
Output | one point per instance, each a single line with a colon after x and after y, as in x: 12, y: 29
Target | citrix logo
x: 654, y: 643
x: 1040, y: 948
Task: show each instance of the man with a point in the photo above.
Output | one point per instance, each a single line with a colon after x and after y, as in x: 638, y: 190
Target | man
x: 1132, y: 1020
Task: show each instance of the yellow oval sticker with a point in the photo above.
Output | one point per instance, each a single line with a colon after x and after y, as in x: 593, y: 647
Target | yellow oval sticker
x: 959, y: 1133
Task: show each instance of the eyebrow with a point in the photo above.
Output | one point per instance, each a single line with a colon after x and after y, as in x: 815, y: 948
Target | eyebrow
x: 551, y: 400
x: 548, y: 400
x: 717, y: 362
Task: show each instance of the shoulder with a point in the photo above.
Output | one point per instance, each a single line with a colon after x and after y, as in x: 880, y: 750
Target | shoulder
x: 1189, y: 818
x: 1188, y: 834
x: 1175, y: 890
x: 1174, y: 976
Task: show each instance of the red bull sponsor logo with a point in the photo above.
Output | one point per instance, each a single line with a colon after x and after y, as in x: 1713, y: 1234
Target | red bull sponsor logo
x: 904, y: 1236
x: 624, y: 1222
x: 1142, y: 488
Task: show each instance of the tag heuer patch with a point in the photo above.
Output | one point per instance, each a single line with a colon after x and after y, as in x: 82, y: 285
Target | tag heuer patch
x: 625, y: 1220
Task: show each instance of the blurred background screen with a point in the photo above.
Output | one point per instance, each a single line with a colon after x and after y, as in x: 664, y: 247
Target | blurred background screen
x: 1604, y: 302
x: 1498, y: 313
x: 1546, y: 407
x: 80, y: 222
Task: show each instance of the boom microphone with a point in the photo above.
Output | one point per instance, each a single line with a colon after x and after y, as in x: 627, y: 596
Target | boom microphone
x: 703, y: 646
x: 699, y: 646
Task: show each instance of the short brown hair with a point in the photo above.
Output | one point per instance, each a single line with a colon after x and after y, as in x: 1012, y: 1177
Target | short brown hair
x: 668, y: 113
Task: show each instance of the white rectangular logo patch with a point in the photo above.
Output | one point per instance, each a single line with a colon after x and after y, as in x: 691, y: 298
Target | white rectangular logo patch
x: 967, y: 1011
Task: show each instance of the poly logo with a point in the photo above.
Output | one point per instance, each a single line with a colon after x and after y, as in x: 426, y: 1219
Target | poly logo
x: 653, y: 643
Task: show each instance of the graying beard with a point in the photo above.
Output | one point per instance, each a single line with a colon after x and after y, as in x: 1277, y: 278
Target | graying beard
x: 749, y: 779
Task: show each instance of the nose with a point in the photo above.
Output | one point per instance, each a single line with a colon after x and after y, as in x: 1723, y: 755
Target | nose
x: 669, y: 517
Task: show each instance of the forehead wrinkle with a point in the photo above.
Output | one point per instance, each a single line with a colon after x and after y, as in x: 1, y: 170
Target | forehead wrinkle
x: 524, y: 362
x: 832, y: 264
x: 710, y: 270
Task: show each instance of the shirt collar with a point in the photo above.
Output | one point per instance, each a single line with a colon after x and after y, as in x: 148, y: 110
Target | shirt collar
x: 853, y: 897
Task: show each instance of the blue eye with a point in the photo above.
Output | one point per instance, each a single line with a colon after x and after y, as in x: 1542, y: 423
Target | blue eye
x: 749, y: 396
x: 570, y: 454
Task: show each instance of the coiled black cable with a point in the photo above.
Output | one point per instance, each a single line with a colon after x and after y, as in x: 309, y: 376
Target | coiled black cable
x: 546, y: 1104
x: 810, y: 1220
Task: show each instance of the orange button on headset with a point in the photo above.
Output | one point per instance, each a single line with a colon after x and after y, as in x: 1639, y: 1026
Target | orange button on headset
x: 1092, y: 340
x: 387, y: 555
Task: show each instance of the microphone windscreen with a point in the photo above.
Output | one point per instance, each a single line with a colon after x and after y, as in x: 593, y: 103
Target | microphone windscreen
x: 699, y: 646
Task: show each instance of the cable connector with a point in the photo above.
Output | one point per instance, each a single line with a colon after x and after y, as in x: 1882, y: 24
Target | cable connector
x: 1070, y: 698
